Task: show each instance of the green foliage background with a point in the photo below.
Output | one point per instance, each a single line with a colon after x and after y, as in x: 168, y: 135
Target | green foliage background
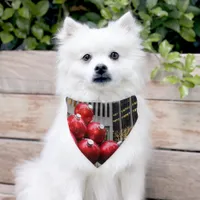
x: 171, y: 27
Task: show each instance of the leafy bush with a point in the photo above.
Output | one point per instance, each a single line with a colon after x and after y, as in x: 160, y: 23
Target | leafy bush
x: 170, y: 27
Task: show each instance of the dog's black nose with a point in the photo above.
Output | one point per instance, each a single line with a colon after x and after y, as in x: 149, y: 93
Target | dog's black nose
x: 101, y: 69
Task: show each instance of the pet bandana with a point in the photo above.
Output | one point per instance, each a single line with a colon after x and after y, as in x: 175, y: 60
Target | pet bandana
x: 99, y: 129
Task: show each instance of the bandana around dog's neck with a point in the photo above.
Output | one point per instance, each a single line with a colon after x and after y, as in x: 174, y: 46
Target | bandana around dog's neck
x: 115, y: 121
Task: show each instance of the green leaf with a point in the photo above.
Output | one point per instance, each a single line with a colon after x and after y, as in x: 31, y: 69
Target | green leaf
x: 158, y: 22
x: 171, y: 79
x: 148, y: 46
x: 59, y: 1
x: 184, y: 91
x: 42, y: 25
x: 162, y: 31
x: 7, y: 27
x: 46, y: 39
x: 92, y: 16
x: 106, y: 13
x: 155, y: 37
x: 145, y: 32
x: 165, y: 48
x: 175, y: 14
x: 54, y: 28
x: 30, y: 43
x: 115, y: 10
x: 182, y: 5
x: 23, y: 24
x: 6, y: 37
x: 178, y: 65
x: 136, y: 3
x: 98, y: 3
x: 190, y: 62
x: 151, y: 3
x: 172, y: 24
x: 173, y: 56
x: 145, y: 17
x: 91, y: 24
x: 16, y: 4
x: 8, y: 13
x: 171, y: 2
x: 102, y: 23
x: 42, y: 8
x: 169, y: 67
x: 190, y: 16
x: 1, y: 9
x: 154, y: 72
x: 186, y: 22
x: 31, y: 6
x: 187, y: 34
x: 37, y: 31
x: 20, y: 34
x: 195, y: 79
x: 197, y: 26
x: 193, y: 9
x: 159, y: 12
x: 24, y: 12
x: 188, y: 84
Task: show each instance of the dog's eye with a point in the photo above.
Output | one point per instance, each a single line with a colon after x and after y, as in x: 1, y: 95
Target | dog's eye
x: 86, y: 57
x: 114, y: 55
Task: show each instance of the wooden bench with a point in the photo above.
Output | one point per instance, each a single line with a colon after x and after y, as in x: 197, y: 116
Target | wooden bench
x: 28, y: 105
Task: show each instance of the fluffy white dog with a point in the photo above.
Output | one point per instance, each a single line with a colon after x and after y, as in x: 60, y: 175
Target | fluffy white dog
x: 62, y: 172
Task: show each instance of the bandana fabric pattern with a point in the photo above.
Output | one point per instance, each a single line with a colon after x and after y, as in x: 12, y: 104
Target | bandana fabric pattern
x: 117, y: 117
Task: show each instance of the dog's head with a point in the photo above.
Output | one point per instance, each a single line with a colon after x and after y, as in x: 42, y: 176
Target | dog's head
x: 100, y: 64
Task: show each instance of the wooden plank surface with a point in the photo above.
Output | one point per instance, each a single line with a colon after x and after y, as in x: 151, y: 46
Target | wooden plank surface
x: 172, y: 175
x: 6, y: 192
x: 34, y: 72
x: 7, y: 197
x: 12, y: 153
x: 26, y: 116
x: 29, y: 117
x: 27, y: 71
x: 6, y: 189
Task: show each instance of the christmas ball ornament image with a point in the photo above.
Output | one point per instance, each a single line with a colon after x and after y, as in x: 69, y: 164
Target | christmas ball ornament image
x: 90, y: 149
x: 77, y: 126
x: 100, y: 128
x: 107, y: 148
x: 96, y: 132
x: 86, y: 112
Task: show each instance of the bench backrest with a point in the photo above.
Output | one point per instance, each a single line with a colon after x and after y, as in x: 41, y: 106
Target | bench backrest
x: 27, y: 109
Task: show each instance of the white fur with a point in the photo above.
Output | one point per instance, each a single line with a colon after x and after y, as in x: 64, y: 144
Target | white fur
x: 62, y: 172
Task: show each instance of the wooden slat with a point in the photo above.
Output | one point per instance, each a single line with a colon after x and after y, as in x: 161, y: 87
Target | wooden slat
x: 15, y: 152
x: 26, y: 116
x: 29, y: 116
x: 6, y: 189
x: 176, y: 125
x: 34, y: 72
x: 6, y: 192
x: 172, y: 175
x: 7, y: 197
x: 27, y: 71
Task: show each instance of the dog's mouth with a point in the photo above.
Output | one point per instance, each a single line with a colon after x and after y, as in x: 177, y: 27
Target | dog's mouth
x: 102, y: 79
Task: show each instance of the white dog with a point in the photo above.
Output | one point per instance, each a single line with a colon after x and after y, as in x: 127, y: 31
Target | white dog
x: 62, y: 172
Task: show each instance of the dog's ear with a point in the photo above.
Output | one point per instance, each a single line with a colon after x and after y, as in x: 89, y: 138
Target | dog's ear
x: 68, y: 29
x: 128, y: 22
